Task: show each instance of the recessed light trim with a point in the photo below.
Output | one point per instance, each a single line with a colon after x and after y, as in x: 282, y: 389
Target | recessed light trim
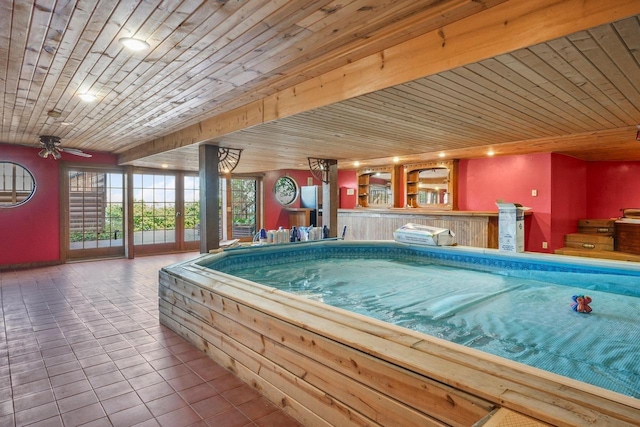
x: 87, y: 97
x: 134, y: 44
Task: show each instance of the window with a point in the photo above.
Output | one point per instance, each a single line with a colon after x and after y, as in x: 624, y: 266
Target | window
x: 17, y: 185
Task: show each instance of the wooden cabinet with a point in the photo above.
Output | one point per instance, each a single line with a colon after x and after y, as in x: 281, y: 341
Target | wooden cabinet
x: 363, y: 190
x: 589, y: 241
x: 628, y: 237
x: 603, y: 227
x: 413, y: 188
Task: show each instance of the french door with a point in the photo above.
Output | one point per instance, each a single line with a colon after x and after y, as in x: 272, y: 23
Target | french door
x: 93, y: 209
x: 166, y: 212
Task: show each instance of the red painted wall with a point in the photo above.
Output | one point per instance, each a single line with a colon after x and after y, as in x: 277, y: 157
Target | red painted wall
x: 30, y: 233
x: 569, y: 197
x: 612, y: 186
x: 275, y: 215
x: 510, y: 178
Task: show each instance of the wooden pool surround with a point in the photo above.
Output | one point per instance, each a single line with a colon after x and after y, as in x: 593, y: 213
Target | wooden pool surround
x: 329, y: 367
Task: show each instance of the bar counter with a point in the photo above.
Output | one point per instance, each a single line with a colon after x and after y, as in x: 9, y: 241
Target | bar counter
x: 472, y: 228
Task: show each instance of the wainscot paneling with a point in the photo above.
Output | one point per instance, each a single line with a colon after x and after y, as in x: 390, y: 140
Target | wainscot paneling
x: 472, y: 228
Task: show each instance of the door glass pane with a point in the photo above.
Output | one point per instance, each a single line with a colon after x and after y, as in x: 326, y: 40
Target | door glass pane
x: 154, y: 209
x: 96, y: 207
x: 191, y: 211
x: 243, y: 207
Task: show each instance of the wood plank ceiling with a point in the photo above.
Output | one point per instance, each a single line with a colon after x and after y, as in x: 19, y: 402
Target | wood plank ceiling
x: 578, y: 95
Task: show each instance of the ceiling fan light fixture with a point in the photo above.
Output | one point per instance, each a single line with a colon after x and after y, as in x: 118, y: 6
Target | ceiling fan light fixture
x: 134, y: 44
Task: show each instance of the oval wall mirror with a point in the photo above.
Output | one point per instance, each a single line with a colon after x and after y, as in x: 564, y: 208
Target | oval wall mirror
x: 286, y: 190
x: 17, y: 185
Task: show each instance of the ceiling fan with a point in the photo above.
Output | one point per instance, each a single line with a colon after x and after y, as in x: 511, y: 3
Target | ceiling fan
x: 51, y: 146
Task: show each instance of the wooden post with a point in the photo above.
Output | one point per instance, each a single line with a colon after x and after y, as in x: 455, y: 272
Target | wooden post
x: 330, y: 199
x: 209, y: 198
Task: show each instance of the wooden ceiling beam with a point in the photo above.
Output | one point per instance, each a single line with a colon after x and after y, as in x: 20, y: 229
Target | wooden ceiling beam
x: 509, y: 26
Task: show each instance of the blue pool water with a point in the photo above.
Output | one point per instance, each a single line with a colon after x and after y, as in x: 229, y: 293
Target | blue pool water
x: 512, y: 314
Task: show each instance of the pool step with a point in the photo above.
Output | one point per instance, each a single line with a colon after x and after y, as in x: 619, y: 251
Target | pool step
x: 592, y: 253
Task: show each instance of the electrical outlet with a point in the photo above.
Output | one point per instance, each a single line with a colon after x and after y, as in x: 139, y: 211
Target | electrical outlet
x: 534, y: 193
x: 544, y: 245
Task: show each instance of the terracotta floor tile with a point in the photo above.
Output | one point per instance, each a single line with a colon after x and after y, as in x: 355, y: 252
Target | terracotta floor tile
x: 240, y: 395
x: 101, y: 369
x: 145, y: 380
x: 113, y: 390
x: 137, y: 370
x: 130, y: 361
x: 105, y: 379
x: 6, y: 407
x: 230, y: 418
x: 277, y: 419
x: 226, y: 382
x: 163, y: 362
x: 166, y: 404
x: 68, y: 378
x: 180, y: 418
x: 77, y: 401
x: 149, y: 423
x: 84, y: 339
x: 94, y: 360
x: 186, y: 381
x: 56, y: 360
x: 32, y: 400
x: 155, y: 391
x: 33, y: 387
x: 83, y: 415
x: 174, y: 371
x: 211, y: 406
x: 131, y: 417
x: 257, y: 408
x: 71, y: 389
x: 100, y: 422
x: 120, y: 403
x: 37, y: 413
x: 63, y: 368
x: 49, y: 422
x: 197, y: 393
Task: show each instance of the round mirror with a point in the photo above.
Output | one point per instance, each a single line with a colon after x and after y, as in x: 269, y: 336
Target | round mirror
x: 17, y: 185
x: 285, y: 190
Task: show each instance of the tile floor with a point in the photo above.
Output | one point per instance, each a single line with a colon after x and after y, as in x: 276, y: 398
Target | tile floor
x: 81, y: 345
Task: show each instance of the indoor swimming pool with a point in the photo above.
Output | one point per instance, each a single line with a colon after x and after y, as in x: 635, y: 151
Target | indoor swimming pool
x: 346, y: 332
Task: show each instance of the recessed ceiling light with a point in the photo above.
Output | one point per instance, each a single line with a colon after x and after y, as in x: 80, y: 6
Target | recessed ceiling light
x: 396, y: 159
x: 66, y: 124
x: 356, y: 163
x: 441, y: 155
x: 164, y: 166
x: 54, y: 113
x: 134, y: 44
x: 87, y: 97
x: 490, y: 153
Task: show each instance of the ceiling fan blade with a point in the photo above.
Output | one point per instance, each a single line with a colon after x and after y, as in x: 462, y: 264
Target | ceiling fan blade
x: 75, y: 152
